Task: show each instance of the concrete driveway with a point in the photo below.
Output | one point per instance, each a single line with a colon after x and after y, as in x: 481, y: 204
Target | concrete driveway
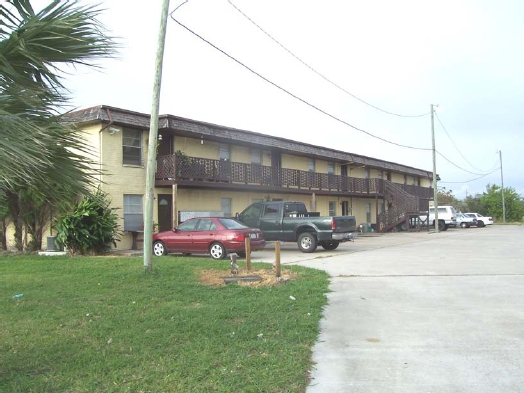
x: 421, y: 312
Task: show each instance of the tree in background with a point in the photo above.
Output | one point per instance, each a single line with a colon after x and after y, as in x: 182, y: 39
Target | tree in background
x: 492, y: 201
x: 41, y: 157
x: 475, y: 205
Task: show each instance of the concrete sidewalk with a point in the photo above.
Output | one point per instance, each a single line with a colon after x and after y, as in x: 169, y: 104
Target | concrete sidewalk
x: 418, y: 313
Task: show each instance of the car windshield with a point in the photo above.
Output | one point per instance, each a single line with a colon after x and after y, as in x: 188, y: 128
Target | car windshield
x: 229, y: 223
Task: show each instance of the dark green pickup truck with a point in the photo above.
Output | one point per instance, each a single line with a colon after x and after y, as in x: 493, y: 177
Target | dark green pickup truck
x: 291, y: 222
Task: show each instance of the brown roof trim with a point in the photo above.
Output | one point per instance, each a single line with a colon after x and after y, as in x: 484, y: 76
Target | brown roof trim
x: 189, y: 127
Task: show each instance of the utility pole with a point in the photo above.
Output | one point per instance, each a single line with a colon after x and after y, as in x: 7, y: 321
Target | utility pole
x: 435, y: 202
x: 153, y: 141
x: 502, y: 184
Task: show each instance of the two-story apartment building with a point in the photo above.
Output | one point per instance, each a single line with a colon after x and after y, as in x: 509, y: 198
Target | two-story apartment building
x: 207, y: 169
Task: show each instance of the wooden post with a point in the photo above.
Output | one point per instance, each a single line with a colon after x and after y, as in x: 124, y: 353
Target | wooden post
x: 277, y: 259
x: 174, y: 215
x: 248, y: 253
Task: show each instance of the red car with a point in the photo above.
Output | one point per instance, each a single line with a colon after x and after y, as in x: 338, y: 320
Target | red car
x: 208, y: 235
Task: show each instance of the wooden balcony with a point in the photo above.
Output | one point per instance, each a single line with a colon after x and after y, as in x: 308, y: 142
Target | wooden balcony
x: 175, y: 169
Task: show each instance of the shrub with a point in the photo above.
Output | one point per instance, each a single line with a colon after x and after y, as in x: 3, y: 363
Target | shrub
x: 91, y: 228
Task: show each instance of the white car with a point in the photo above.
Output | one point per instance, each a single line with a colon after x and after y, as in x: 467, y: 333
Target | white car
x: 464, y: 221
x: 482, y: 221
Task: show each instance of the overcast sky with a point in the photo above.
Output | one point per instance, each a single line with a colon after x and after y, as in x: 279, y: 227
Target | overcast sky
x: 401, y: 57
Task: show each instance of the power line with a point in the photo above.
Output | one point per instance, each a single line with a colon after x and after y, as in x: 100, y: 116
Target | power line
x: 462, y: 155
x: 469, y: 181
x: 294, y: 95
x: 318, y: 73
x: 459, y: 167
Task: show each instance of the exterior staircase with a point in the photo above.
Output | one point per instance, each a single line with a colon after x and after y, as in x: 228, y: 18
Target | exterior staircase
x: 402, y: 207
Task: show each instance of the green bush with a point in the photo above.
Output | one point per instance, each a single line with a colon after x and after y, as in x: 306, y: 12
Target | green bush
x: 91, y: 228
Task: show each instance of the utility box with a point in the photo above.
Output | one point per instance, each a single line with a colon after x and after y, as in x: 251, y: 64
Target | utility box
x: 52, y: 245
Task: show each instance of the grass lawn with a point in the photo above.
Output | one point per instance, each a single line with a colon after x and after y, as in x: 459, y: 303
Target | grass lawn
x: 102, y: 324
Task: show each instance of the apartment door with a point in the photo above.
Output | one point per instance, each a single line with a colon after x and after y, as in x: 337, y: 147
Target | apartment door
x: 165, y: 212
x: 165, y: 145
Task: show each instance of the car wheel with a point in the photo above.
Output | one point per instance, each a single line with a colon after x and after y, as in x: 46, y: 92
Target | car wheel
x: 330, y: 245
x: 442, y: 225
x: 159, y: 248
x: 464, y: 225
x: 307, y: 242
x: 217, y: 251
x: 481, y: 224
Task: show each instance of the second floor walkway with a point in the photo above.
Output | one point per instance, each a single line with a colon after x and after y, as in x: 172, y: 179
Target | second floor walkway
x: 178, y: 169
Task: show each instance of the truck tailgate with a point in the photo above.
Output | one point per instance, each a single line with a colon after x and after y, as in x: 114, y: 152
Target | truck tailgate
x: 345, y: 224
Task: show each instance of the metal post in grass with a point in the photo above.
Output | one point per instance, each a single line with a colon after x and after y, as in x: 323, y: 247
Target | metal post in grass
x: 277, y: 259
x: 247, y: 242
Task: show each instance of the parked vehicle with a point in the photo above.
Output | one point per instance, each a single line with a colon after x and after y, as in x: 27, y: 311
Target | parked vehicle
x: 446, y: 217
x: 482, y: 221
x: 216, y: 236
x: 291, y: 222
x: 464, y: 221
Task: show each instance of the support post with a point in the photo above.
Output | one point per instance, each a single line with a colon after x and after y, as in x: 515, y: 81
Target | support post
x: 435, y: 202
x: 502, y: 189
x: 174, y: 191
x: 278, y: 272
x: 247, y: 242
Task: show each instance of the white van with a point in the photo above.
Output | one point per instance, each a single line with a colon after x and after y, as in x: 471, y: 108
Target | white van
x: 446, y: 217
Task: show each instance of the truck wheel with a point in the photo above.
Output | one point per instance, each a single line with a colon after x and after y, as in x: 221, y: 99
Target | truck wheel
x: 329, y: 245
x: 442, y: 225
x: 307, y: 242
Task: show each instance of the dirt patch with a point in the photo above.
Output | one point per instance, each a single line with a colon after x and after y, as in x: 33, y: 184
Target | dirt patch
x: 216, y: 277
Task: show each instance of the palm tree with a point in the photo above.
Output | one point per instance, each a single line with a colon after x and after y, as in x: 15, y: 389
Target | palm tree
x: 37, y: 151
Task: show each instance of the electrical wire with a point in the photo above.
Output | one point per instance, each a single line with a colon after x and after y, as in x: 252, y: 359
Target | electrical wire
x: 316, y: 72
x: 469, y: 181
x: 462, y: 155
x: 294, y: 95
x: 459, y: 167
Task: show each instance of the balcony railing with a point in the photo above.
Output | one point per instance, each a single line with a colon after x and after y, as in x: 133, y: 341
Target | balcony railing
x: 180, y: 168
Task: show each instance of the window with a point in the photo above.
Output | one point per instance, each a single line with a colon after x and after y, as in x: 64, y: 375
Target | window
x: 331, y: 168
x: 413, y: 180
x: 368, y: 212
x: 251, y: 213
x: 332, y: 208
x: 225, y: 206
x: 207, y: 224
x: 225, y: 153
x: 311, y: 165
x: 294, y: 209
x: 256, y: 156
x: 133, y: 214
x: 271, y: 210
x: 366, y: 173
x: 132, y: 147
x: 188, y: 226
